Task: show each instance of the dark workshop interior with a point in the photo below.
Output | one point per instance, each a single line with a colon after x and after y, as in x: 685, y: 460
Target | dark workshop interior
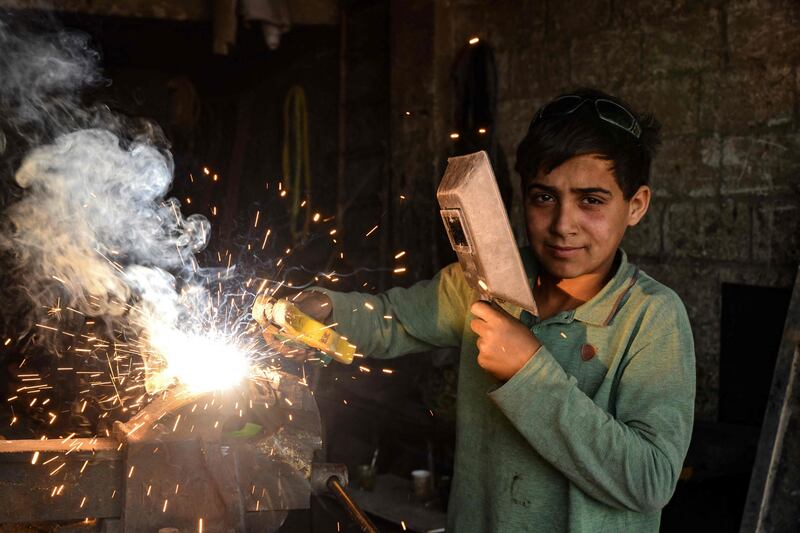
x: 312, y: 136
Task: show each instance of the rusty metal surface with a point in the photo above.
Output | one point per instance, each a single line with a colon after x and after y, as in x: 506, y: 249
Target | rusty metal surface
x: 323, y: 472
x: 186, y: 443
x: 183, y: 458
x: 185, y: 474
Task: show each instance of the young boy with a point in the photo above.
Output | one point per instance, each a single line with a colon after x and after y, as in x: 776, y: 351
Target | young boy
x: 579, y: 419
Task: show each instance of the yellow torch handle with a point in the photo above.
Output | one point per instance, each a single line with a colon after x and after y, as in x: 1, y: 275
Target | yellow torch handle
x: 305, y: 329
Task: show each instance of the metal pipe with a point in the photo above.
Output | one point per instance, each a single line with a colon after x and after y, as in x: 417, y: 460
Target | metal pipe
x: 358, y: 515
x: 71, y: 445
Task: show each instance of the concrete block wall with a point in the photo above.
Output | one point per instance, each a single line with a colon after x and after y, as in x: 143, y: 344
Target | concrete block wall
x: 721, y: 75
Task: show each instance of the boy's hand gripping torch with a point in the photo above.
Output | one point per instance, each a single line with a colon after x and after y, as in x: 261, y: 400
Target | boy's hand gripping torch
x: 281, y: 317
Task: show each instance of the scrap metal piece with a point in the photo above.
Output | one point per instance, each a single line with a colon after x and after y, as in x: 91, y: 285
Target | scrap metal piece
x: 181, y: 459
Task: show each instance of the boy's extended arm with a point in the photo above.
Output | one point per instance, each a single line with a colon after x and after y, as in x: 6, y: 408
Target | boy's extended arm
x: 628, y: 459
x: 426, y: 315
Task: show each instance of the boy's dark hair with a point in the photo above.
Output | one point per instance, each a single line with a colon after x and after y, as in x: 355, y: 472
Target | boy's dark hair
x: 552, y: 140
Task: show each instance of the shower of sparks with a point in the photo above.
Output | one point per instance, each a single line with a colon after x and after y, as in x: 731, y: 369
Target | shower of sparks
x: 118, y: 370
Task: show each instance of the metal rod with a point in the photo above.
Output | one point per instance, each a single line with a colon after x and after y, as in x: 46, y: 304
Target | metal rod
x: 358, y: 515
x: 60, y: 445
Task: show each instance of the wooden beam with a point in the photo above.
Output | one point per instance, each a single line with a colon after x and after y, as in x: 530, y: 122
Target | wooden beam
x: 303, y: 12
x: 314, y: 12
x: 187, y: 10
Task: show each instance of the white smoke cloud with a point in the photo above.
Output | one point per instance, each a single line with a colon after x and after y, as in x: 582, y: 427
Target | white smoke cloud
x: 92, y: 207
x: 92, y: 230
x: 42, y: 75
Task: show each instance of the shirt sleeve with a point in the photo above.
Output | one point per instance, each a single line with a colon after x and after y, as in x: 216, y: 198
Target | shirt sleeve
x: 427, y: 315
x: 631, y: 459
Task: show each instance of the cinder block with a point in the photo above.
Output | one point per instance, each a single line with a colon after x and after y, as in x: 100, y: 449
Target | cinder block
x: 708, y: 230
x: 644, y: 239
x: 686, y: 165
x: 469, y: 3
x: 684, y: 43
x: 760, y: 164
x: 539, y: 70
x: 607, y: 59
x: 502, y: 61
x: 776, y: 233
x: 735, y: 101
x: 527, y: 30
x: 674, y: 101
x: 466, y: 22
x: 514, y: 118
x: 635, y: 14
x: 576, y: 17
x: 763, y: 31
x: 759, y: 274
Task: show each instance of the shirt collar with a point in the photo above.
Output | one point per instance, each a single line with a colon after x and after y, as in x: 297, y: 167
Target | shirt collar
x: 600, y: 310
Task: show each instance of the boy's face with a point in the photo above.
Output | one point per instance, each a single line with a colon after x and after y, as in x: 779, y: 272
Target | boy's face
x: 577, y: 215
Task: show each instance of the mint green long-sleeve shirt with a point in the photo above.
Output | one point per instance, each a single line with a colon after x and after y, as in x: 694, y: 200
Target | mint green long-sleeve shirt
x: 588, y: 436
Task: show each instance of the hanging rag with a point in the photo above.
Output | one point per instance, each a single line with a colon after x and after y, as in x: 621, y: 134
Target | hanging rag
x: 475, y: 84
x: 224, y: 26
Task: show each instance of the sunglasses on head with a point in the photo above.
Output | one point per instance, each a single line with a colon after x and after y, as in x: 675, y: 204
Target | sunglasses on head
x: 606, y: 110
